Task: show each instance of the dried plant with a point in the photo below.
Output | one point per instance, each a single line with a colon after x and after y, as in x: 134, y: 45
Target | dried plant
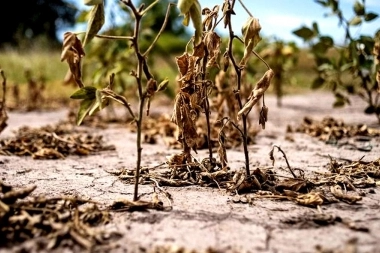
x: 94, y: 99
x: 196, y: 84
x: 3, y: 111
x: 58, y: 221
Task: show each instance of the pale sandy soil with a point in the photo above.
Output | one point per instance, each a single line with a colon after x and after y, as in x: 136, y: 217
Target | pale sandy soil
x: 204, y: 218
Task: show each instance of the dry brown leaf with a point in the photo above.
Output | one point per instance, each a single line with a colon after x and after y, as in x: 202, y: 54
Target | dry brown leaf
x: 310, y: 199
x: 176, y: 159
x: 259, y: 90
x: 47, y: 153
x: 250, y: 31
x: 212, y: 42
x: 227, y: 11
x: 72, y: 52
x: 211, y: 15
x: 199, y: 50
x: 292, y: 184
x: 139, y: 205
x: 186, y: 64
x: 338, y: 193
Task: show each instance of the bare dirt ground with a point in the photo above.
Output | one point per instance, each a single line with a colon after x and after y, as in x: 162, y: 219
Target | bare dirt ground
x: 207, y: 219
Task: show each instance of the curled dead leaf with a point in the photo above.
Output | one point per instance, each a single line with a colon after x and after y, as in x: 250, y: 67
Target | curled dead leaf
x: 212, y: 42
x: 186, y: 65
x: 338, y: 193
x: 259, y: 90
x: 310, y: 199
x: 251, y: 30
x: 72, y: 52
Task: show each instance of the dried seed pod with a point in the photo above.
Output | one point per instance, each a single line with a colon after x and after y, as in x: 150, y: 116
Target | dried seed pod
x: 263, y: 116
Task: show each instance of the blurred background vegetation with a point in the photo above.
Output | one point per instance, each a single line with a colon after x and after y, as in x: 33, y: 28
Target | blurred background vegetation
x: 30, y: 49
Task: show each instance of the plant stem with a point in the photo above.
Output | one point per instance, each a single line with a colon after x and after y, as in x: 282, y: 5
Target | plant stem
x: 206, y: 106
x: 245, y: 8
x: 140, y: 58
x: 161, y: 30
x: 237, y: 91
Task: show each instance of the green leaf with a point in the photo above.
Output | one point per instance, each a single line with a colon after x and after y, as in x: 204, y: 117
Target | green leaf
x: 162, y: 86
x: 95, y: 23
x: 84, y: 108
x: 305, y: 33
x: 315, y: 28
x: 94, y: 108
x: 102, y: 101
x: 327, y: 40
x: 317, y: 83
x: 370, y: 16
x: 355, y: 21
x: 323, y: 3
x: 92, y: 2
x: 87, y: 92
x: 359, y: 8
x: 334, y: 5
x: 320, y: 48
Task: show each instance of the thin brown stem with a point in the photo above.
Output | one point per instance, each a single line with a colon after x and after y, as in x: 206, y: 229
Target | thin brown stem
x: 161, y: 30
x: 245, y: 8
x: 237, y: 91
x: 206, y: 105
x: 286, y: 159
x: 256, y: 54
x: 120, y: 99
x: 135, y: 44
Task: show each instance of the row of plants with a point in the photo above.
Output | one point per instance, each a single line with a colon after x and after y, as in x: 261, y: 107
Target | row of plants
x: 214, y: 84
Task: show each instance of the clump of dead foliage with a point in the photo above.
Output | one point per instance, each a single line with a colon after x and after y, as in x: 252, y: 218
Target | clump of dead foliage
x: 331, y: 130
x: 61, y: 221
x: 64, y: 221
x: 53, y: 142
x: 342, y: 182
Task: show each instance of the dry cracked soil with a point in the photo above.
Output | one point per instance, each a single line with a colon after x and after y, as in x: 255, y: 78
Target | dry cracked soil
x: 206, y: 219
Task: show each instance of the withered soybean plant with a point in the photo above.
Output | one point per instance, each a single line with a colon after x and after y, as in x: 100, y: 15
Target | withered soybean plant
x: 94, y: 99
x: 195, y: 86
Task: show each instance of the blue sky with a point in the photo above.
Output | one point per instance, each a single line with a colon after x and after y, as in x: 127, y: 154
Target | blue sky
x: 280, y: 17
